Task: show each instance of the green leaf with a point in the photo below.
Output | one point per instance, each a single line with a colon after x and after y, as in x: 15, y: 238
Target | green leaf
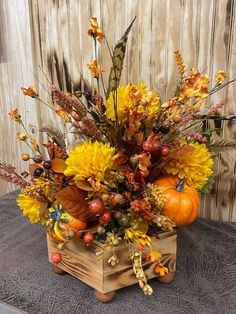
x: 117, y: 61
x: 204, y: 190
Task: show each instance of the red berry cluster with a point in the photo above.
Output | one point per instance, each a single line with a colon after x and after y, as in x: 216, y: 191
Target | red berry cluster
x: 155, y: 146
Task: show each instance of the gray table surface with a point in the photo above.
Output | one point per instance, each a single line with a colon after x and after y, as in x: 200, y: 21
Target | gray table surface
x: 205, y: 280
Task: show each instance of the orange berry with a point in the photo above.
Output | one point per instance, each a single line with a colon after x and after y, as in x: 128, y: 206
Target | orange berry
x: 25, y: 157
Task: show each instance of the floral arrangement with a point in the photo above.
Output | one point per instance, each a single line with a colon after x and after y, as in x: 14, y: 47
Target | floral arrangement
x: 138, y: 165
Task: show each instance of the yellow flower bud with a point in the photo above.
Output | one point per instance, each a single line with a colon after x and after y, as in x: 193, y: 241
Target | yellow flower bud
x: 220, y: 77
x: 21, y: 136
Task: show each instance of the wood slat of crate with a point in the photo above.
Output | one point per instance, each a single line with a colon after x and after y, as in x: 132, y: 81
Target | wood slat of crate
x: 81, y: 261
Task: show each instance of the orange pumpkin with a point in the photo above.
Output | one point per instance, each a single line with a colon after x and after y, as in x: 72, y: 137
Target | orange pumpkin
x: 59, y: 229
x: 182, y: 201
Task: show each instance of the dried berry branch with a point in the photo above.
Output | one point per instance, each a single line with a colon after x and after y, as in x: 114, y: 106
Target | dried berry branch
x: 88, y: 127
x: 65, y: 101
x: 9, y: 174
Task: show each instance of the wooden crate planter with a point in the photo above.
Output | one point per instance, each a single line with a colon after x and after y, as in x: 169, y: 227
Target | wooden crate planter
x: 80, y: 261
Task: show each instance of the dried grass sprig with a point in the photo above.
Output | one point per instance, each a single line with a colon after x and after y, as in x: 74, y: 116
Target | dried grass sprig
x: 221, y: 146
x: 55, y: 134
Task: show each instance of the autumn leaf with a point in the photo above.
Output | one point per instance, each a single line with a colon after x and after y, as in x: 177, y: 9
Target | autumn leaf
x: 73, y: 201
x: 84, y: 185
x: 58, y: 165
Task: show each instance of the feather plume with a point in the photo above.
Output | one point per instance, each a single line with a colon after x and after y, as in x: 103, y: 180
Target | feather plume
x: 117, y: 61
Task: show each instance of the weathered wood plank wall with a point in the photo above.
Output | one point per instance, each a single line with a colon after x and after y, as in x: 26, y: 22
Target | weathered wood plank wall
x: 52, y: 34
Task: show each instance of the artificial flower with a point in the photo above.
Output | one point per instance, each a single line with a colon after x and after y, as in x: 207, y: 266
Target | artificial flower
x: 14, y: 115
x: 41, y: 189
x: 195, y: 86
x: 95, y: 31
x: 124, y: 103
x: 147, y: 101
x: 91, y: 159
x: 93, y: 67
x: 137, y: 236
x: 63, y: 114
x: 180, y: 62
x: 113, y: 238
x: 157, y: 195
x: 113, y: 260
x: 21, y: 136
x: 153, y: 256
x: 139, y: 205
x: 161, y: 270
x: 130, y: 175
x: 133, y: 126
x: 220, y: 77
x: 192, y: 162
x: 35, y: 210
x: 144, y: 162
x: 30, y: 91
x: 132, y: 100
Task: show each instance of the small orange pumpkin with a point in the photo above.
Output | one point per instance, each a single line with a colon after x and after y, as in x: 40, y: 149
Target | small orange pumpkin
x: 182, y: 201
x: 60, y: 228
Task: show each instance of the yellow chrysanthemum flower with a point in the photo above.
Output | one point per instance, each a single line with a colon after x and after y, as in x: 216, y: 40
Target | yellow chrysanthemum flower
x: 91, y: 159
x: 124, y: 103
x: 130, y: 97
x: 35, y: 210
x: 194, y: 165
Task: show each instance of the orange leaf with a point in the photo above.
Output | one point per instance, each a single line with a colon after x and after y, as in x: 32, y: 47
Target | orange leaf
x: 73, y: 201
x: 83, y: 185
x: 58, y: 165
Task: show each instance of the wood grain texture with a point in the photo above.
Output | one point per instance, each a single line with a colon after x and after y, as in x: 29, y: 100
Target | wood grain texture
x: 54, y: 37
x: 81, y: 261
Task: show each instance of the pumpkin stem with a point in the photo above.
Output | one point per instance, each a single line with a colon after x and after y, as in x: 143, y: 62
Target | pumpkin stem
x: 179, y: 187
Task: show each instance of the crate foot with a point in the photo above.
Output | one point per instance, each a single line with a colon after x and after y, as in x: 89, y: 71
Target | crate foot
x: 168, y: 278
x: 104, y: 297
x: 57, y: 270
